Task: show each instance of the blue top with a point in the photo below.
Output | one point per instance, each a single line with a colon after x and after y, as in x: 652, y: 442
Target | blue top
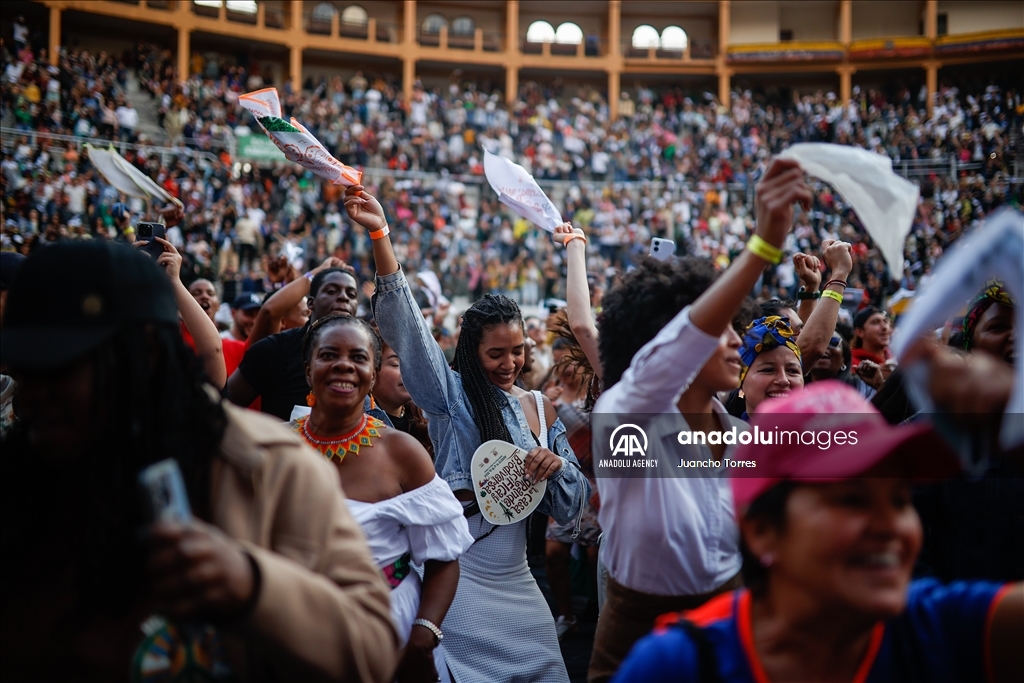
x: 438, y: 391
x: 940, y: 636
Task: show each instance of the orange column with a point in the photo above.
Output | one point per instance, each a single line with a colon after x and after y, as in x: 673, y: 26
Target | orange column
x: 845, y: 22
x: 295, y: 67
x: 931, y: 83
x: 721, y: 69
x: 512, y: 50
x: 409, y: 23
x: 408, y: 76
x: 54, y: 45
x: 184, y: 52
x: 931, y: 31
x: 846, y: 81
x: 931, y: 19
x: 614, y: 56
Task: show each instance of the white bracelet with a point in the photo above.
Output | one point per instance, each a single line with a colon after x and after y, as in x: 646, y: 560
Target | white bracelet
x: 430, y: 626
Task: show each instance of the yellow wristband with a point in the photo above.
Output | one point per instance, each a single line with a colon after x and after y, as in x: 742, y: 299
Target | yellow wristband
x: 829, y: 294
x: 380, y: 234
x: 761, y: 249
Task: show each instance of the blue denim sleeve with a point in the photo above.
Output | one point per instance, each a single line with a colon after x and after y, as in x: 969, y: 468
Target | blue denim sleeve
x: 434, y: 387
x: 568, y: 490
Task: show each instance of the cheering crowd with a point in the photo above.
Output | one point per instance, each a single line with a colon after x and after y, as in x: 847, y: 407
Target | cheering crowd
x: 821, y: 568
x: 291, y: 347
x: 705, y: 160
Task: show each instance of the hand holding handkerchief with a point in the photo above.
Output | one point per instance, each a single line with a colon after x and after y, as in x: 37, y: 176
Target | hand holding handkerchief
x: 295, y: 141
x: 518, y: 191
x: 884, y: 202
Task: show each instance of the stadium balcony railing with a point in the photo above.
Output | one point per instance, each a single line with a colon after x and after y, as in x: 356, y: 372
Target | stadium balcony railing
x: 10, y: 136
x: 948, y: 166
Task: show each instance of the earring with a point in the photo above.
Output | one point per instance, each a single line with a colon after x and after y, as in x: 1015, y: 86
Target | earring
x: 310, y: 399
x: 767, y: 560
x: 842, y: 369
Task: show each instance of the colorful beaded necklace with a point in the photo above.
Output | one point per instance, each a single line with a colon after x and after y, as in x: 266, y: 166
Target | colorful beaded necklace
x: 338, y: 448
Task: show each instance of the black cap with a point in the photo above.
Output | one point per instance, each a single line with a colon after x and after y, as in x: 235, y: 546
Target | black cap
x: 69, y: 298
x: 246, y: 302
x: 864, y: 314
x: 10, y: 262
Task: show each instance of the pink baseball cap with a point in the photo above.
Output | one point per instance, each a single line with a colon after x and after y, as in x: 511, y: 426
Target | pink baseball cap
x: 828, y: 432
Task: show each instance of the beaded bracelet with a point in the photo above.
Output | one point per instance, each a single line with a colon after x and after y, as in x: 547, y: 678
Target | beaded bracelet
x: 763, y: 250
x: 829, y: 294
x: 430, y: 626
x: 380, y: 234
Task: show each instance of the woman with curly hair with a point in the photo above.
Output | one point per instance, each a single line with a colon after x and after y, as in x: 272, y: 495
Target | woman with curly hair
x: 499, y: 627
x: 669, y: 344
x: 572, y: 393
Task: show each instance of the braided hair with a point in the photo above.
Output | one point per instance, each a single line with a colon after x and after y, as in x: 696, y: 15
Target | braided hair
x: 483, y: 397
x: 163, y: 410
x: 321, y: 325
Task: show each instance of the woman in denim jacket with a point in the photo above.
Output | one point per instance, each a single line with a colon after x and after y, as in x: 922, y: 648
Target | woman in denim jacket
x: 499, y: 627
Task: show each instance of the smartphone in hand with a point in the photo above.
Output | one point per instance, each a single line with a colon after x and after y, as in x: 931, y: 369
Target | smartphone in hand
x: 662, y: 249
x: 146, y: 232
x: 163, y: 490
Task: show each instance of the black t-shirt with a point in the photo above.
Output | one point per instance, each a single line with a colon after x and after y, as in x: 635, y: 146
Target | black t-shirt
x: 273, y: 366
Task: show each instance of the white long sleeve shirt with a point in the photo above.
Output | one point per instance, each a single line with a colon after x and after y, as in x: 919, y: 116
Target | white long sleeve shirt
x: 666, y: 535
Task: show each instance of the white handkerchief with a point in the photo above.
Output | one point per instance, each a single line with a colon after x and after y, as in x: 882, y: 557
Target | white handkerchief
x: 127, y: 179
x: 994, y: 251
x: 518, y: 191
x: 884, y: 202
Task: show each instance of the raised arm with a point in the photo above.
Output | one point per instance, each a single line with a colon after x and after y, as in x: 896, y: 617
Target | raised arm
x: 818, y: 328
x: 276, y: 308
x: 782, y: 185
x: 807, y: 269
x: 209, y: 346
x: 577, y: 293
x: 689, y: 339
x: 434, y: 387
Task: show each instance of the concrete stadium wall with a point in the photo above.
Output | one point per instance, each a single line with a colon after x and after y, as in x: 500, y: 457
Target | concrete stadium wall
x: 753, y: 21
x: 812, y: 20
x: 966, y: 16
x: 884, y: 18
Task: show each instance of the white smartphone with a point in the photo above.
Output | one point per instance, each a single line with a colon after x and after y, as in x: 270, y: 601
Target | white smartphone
x: 163, y: 489
x: 662, y: 249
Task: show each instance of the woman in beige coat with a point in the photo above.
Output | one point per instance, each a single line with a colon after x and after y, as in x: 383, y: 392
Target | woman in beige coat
x: 270, y: 579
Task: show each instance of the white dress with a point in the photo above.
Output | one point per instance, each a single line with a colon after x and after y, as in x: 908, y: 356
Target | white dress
x: 426, y: 524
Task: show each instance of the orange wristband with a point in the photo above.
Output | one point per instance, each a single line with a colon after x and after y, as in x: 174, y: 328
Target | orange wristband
x: 380, y: 234
x: 574, y: 236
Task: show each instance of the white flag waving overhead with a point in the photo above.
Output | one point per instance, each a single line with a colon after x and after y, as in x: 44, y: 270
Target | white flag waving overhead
x: 295, y: 141
x: 518, y: 191
x: 127, y: 179
x: 994, y: 251
x: 884, y: 202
